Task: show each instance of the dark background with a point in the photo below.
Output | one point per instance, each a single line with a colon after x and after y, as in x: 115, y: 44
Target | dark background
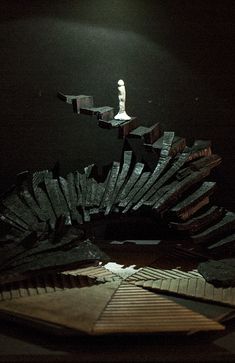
x: 176, y: 58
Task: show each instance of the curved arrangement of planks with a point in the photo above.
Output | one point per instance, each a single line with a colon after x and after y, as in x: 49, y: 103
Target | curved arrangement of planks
x: 42, y: 219
x: 175, y: 191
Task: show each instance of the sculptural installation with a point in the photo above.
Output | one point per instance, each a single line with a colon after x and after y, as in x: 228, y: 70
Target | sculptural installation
x: 54, y: 235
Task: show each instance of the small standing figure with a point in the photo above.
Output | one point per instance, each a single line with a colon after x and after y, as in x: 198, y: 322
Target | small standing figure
x: 122, y: 115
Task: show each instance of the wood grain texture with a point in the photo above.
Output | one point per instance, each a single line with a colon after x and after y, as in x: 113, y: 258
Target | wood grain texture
x: 193, y: 287
x: 132, y: 310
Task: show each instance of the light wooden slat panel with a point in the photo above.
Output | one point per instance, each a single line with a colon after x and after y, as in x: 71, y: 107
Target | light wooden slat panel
x: 92, y: 271
x: 192, y: 287
x: 144, y: 311
x: 154, y: 273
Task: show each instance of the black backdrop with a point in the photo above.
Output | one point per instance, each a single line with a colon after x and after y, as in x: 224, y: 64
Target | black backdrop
x: 176, y: 58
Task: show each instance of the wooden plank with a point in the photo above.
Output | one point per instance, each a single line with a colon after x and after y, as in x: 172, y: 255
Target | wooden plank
x: 138, y: 185
x: 31, y: 202
x: 191, y: 203
x: 57, y: 199
x: 161, y: 166
x: 153, y: 134
x: 225, y: 225
x: 192, y: 287
x: 208, y: 162
x: 202, y: 221
x: 163, y: 179
x: 135, y: 175
x: 147, y: 312
x: 45, y: 205
x: 110, y: 187
x: 139, y: 132
x: 126, y: 127
x: 227, y: 242
x: 10, y: 218
x: 81, y: 102
x: 127, y: 157
x: 178, y: 189
x: 13, y: 203
x: 150, y: 273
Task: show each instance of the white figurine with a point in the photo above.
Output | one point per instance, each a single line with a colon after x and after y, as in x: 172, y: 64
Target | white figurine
x: 122, y: 115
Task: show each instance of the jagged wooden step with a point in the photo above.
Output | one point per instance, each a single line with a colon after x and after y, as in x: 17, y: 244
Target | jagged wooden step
x: 190, y: 205
x: 223, y: 227
x: 149, y: 134
x: 126, y: 127
x: 196, y: 224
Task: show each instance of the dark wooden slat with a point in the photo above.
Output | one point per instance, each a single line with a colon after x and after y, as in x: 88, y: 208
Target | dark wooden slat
x: 78, y: 190
x: 20, y: 209
x: 178, y: 189
x: 83, y: 187
x: 84, y: 252
x: 57, y: 200
x: 139, y: 132
x: 139, y: 184
x: 39, y: 176
x: 65, y: 189
x: 45, y: 205
x: 164, y: 141
x: 137, y: 171
x: 202, y: 221
x: 110, y: 187
x: 73, y: 197
x: 105, y: 113
x: 209, y: 162
x: 183, y: 208
x: 83, y: 182
x: 32, y: 204
x: 227, y: 242
x: 224, y: 226
x: 160, y: 182
x: 81, y: 101
x: 153, y: 134
x: 120, y: 180
x: 66, y: 98
x: 167, y: 141
x: 126, y: 127
x: 10, y: 218
x: 162, y: 164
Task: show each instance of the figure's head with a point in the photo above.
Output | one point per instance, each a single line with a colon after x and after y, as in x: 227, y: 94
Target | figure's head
x: 121, y: 82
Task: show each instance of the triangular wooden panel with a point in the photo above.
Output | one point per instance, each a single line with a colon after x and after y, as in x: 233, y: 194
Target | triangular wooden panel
x: 192, y: 287
x: 76, y: 308
x: 134, y: 310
